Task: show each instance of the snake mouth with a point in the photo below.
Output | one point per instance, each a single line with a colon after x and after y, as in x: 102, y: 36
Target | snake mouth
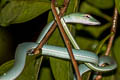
x: 94, y: 23
x: 30, y: 52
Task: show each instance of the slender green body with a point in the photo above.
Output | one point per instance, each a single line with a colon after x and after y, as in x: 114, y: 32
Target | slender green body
x: 80, y: 55
x: 59, y: 52
x: 71, y: 18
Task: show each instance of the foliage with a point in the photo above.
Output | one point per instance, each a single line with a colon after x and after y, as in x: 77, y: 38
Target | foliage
x: 18, y: 13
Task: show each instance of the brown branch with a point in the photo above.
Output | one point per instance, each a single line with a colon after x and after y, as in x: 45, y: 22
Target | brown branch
x: 51, y: 30
x: 113, y: 30
x: 66, y: 39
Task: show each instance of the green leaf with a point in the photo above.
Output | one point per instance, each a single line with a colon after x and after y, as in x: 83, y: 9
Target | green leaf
x: 5, y: 67
x: 22, y: 11
x: 45, y: 74
x: 117, y: 3
x: 61, y: 69
x: 109, y: 77
x: 103, y: 4
x: 73, y: 6
x: 86, y: 43
x: 116, y: 51
x: 9, y: 13
x: 31, y: 10
x: 30, y: 71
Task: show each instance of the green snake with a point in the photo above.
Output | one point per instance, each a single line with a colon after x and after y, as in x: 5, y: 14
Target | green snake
x: 91, y: 60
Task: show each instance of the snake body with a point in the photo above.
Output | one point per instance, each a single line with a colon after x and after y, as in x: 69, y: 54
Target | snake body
x: 54, y: 51
x: 59, y: 52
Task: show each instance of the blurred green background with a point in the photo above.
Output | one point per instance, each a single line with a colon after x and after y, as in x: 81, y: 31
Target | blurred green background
x: 23, y: 20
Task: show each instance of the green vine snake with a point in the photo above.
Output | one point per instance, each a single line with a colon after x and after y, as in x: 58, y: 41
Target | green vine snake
x: 80, y: 55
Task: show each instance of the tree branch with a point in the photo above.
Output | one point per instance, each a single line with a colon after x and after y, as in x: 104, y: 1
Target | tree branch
x: 66, y: 39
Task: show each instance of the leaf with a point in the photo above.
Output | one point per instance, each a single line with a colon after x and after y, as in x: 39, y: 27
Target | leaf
x: 117, y: 3
x: 45, y: 74
x: 61, y: 69
x: 109, y: 77
x: 31, y: 10
x: 22, y: 11
x: 9, y: 13
x: 5, y: 67
x: 73, y: 6
x: 103, y: 4
x: 87, y: 8
x: 116, y: 51
x: 86, y: 43
x: 29, y: 71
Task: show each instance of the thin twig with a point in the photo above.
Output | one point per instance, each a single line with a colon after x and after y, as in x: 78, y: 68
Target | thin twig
x: 51, y: 30
x: 113, y: 30
x: 67, y: 42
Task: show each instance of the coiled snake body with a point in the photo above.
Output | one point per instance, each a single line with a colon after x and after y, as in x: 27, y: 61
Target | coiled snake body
x: 59, y: 52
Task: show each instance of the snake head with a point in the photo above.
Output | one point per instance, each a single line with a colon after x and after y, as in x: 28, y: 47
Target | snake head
x: 90, y: 20
x: 81, y: 18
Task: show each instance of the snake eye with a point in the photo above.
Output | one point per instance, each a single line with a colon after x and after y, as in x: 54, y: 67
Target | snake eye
x: 87, y: 16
